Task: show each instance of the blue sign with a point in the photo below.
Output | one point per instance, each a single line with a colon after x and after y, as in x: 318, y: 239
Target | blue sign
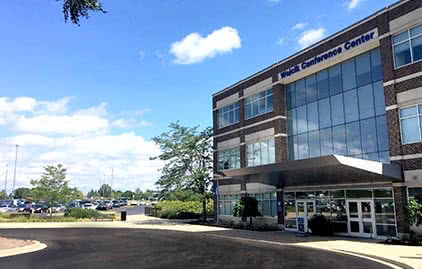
x: 328, y: 55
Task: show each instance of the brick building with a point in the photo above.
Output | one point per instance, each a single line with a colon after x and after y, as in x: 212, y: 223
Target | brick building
x: 334, y: 129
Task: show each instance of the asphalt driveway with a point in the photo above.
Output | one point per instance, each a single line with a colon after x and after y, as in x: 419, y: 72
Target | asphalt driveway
x: 133, y: 248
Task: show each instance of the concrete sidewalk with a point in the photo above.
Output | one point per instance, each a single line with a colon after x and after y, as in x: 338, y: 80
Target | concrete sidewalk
x: 407, y: 255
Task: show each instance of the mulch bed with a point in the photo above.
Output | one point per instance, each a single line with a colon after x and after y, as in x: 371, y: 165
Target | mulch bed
x: 6, y: 243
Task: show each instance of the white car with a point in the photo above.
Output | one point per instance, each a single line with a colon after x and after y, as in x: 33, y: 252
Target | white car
x: 8, y: 208
x: 89, y: 206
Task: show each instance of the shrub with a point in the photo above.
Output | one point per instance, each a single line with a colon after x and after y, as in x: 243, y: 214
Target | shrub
x: 320, y: 225
x: 81, y: 213
x: 182, y: 210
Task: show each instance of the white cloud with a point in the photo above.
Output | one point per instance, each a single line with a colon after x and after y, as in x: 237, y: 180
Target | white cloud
x: 299, y: 26
x: 88, y: 142
x: 280, y: 41
x: 353, y: 4
x: 194, y: 48
x: 141, y: 55
x: 309, y: 37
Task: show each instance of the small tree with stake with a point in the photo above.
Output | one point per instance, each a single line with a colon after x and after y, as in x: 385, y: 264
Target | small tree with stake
x: 246, y: 207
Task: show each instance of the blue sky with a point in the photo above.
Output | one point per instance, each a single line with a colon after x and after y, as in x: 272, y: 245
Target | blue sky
x: 92, y: 96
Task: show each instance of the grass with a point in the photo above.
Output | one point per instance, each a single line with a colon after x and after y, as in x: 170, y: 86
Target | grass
x: 17, y: 218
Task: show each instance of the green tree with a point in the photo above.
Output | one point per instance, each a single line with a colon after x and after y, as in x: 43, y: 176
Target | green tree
x: 246, y: 207
x: 51, y: 186
x: 92, y: 194
x: 3, y: 195
x: 128, y: 194
x: 139, y: 195
x: 414, y: 211
x: 180, y: 195
x: 105, y: 190
x: 22, y: 193
x: 117, y: 194
x: 75, y: 9
x: 187, y: 153
x: 70, y: 194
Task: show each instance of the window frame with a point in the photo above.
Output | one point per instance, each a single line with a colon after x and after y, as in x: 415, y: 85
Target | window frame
x: 268, y: 141
x: 257, y: 101
x: 221, y: 114
x: 418, y: 116
x: 409, y: 41
x: 237, y: 149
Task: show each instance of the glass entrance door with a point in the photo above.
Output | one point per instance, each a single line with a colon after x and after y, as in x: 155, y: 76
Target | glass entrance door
x: 305, y: 209
x: 361, y: 218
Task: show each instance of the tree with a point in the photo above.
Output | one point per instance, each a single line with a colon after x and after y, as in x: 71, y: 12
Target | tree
x: 139, y: 194
x: 75, y: 9
x: 105, y: 190
x: 22, y: 193
x: 414, y: 211
x: 3, y: 195
x: 92, y: 194
x: 70, y: 194
x: 52, y: 186
x: 128, y: 194
x: 180, y: 195
x: 187, y: 153
x: 246, y: 207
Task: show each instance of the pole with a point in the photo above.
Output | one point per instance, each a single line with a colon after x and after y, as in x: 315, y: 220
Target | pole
x: 14, y: 171
x: 112, y: 177
x: 5, y: 178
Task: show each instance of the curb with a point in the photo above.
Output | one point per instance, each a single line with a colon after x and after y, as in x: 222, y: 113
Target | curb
x: 22, y: 250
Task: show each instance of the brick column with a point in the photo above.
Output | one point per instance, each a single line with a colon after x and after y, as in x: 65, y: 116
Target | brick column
x: 400, y: 200
x: 243, y: 193
x: 280, y: 209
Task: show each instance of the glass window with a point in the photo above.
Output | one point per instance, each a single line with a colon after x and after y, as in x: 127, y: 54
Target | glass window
x: 260, y: 153
x: 383, y: 193
x: 407, y: 46
x: 384, y: 156
x: 353, y: 138
x: 228, y: 115
x: 348, y: 75
x: 259, y: 104
x: 384, y: 211
x: 302, y: 123
x: 410, y: 130
x: 379, y: 98
x: 323, y: 84
x: 368, y: 135
x: 311, y: 89
x: 313, y: 122
x: 290, y: 96
x: 303, y: 146
x: 324, y: 113
x: 414, y: 192
x: 326, y: 142
x: 339, y: 140
x: 337, y: 111
x: 292, y: 128
x: 300, y: 92
x: 337, y: 194
x: 296, y: 147
x: 291, y: 148
x: 402, y: 54
x: 358, y: 193
x: 228, y: 159
x: 363, y: 69
x: 376, y: 65
x: 314, y: 146
x: 339, y: 211
x: 382, y: 133
x: 336, y: 84
x: 351, y: 106
x: 366, y: 102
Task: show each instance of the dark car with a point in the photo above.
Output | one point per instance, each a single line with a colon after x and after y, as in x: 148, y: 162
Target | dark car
x: 40, y: 208
x: 102, y: 206
x: 116, y: 203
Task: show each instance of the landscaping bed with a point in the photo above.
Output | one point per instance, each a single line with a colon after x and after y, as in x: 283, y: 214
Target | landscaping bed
x: 6, y: 243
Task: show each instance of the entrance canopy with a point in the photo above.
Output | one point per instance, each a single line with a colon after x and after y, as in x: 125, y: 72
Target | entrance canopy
x: 327, y: 170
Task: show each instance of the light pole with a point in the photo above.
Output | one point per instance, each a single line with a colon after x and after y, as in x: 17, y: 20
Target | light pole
x: 5, y: 178
x: 14, y: 171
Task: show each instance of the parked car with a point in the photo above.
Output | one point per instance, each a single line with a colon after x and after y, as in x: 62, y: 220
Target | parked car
x: 58, y: 208
x: 134, y: 203
x: 102, y: 206
x: 89, y: 206
x: 116, y: 203
x: 40, y: 208
x: 8, y: 208
x: 24, y: 208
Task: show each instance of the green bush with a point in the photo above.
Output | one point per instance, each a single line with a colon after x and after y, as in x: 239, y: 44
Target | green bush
x: 183, y: 210
x: 320, y: 225
x: 81, y: 213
